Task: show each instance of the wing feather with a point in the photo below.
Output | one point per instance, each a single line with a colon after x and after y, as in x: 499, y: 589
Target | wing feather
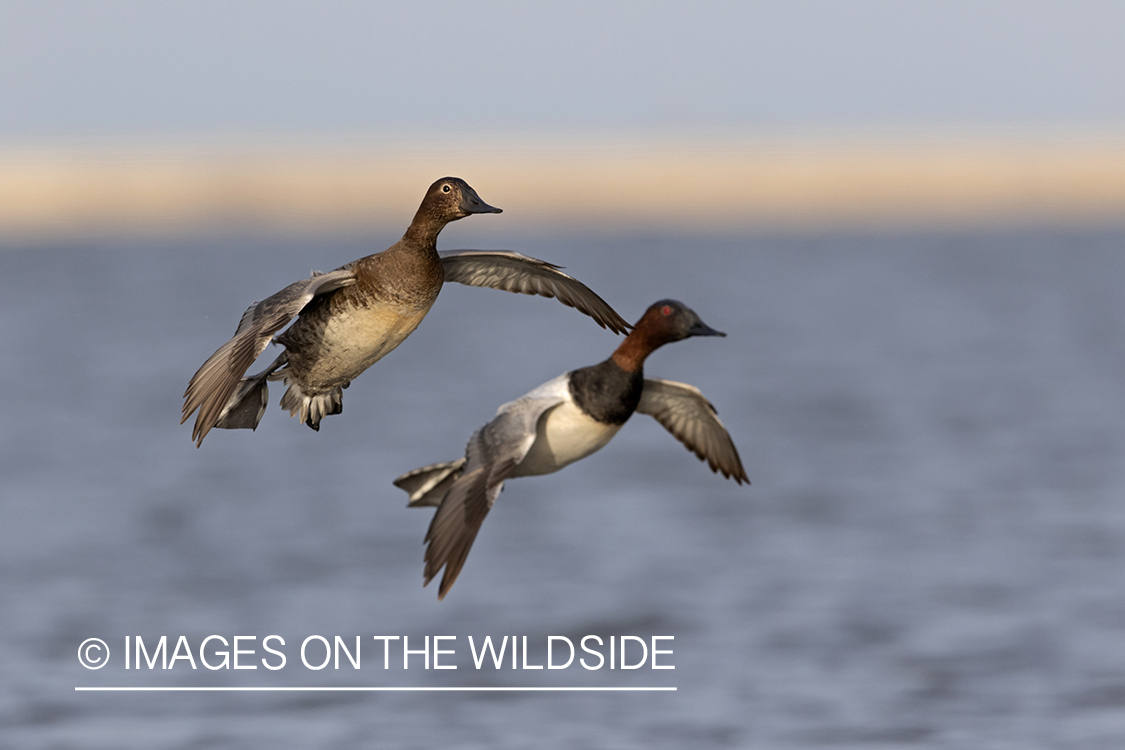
x: 214, y: 383
x: 689, y: 416
x: 493, y: 452
x: 514, y: 272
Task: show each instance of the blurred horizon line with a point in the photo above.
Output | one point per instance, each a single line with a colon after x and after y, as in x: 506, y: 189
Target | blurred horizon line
x: 719, y: 182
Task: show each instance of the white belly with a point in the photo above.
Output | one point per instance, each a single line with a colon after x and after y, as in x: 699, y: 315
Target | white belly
x: 563, y: 435
x: 351, y: 343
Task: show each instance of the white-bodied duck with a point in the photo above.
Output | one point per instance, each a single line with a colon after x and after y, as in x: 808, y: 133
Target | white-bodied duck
x: 560, y: 422
x: 350, y: 318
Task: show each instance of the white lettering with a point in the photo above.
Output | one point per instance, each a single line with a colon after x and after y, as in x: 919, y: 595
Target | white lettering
x: 266, y: 646
x: 644, y: 652
x: 225, y: 664
x: 182, y: 642
x: 496, y: 658
x: 438, y: 652
x: 656, y: 651
x: 341, y: 646
x: 550, y: 642
x: 327, y: 652
x: 601, y: 659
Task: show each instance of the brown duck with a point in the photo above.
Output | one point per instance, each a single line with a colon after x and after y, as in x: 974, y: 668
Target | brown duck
x: 350, y: 318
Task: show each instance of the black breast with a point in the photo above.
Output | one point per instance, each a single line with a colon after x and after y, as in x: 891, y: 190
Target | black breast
x: 606, y: 392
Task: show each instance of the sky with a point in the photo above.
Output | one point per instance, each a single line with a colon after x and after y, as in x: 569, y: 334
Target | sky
x: 74, y: 70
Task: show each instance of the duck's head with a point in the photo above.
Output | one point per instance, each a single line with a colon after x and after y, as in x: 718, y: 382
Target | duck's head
x: 451, y: 198
x: 671, y: 320
x: 664, y: 322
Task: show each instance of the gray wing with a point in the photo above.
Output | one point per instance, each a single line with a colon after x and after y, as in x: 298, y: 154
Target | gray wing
x: 513, y: 272
x: 212, y: 385
x: 691, y: 418
x: 493, y: 451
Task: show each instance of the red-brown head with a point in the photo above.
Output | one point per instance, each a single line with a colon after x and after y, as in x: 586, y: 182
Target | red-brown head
x: 664, y: 322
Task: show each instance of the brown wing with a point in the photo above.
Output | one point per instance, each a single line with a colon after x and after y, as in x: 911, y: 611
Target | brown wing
x: 513, y: 272
x: 691, y: 418
x: 212, y: 385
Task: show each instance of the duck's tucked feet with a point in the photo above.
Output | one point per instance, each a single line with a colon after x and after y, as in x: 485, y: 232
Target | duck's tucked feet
x: 311, y: 408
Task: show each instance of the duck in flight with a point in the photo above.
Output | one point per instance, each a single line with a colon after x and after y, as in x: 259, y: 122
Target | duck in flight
x: 560, y: 422
x: 350, y: 318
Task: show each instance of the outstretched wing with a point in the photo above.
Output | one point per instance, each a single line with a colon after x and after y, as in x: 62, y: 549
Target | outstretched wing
x: 493, y: 451
x: 513, y: 272
x: 212, y: 385
x: 691, y: 418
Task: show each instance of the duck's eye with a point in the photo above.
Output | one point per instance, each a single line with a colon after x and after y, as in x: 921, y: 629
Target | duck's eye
x: 445, y: 188
x: 666, y: 310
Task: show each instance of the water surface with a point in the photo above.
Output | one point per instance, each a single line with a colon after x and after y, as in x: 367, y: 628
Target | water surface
x: 930, y: 553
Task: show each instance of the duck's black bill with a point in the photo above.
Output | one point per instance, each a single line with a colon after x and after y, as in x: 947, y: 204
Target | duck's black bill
x: 472, y: 204
x: 702, y: 329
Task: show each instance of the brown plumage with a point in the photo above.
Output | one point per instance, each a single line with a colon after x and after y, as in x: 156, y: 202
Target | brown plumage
x: 354, y: 316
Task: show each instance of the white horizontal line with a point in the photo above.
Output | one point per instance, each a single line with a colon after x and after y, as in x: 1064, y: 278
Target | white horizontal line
x: 458, y: 689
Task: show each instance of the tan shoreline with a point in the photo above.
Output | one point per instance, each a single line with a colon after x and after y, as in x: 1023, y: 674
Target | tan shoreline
x: 722, y: 184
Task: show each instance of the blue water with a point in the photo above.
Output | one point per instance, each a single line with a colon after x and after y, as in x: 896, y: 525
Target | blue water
x: 931, y: 553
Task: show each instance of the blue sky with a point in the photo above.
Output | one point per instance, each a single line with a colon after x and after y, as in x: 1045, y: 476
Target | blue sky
x: 81, y: 69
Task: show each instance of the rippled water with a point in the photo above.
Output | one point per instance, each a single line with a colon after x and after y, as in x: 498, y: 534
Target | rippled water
x: 931, y: 553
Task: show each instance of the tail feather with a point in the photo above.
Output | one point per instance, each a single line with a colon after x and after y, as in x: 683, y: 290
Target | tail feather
x: 427, y: 485
x: 312, y: 408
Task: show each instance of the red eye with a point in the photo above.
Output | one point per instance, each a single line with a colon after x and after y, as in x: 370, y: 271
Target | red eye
x: 666, y: 310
